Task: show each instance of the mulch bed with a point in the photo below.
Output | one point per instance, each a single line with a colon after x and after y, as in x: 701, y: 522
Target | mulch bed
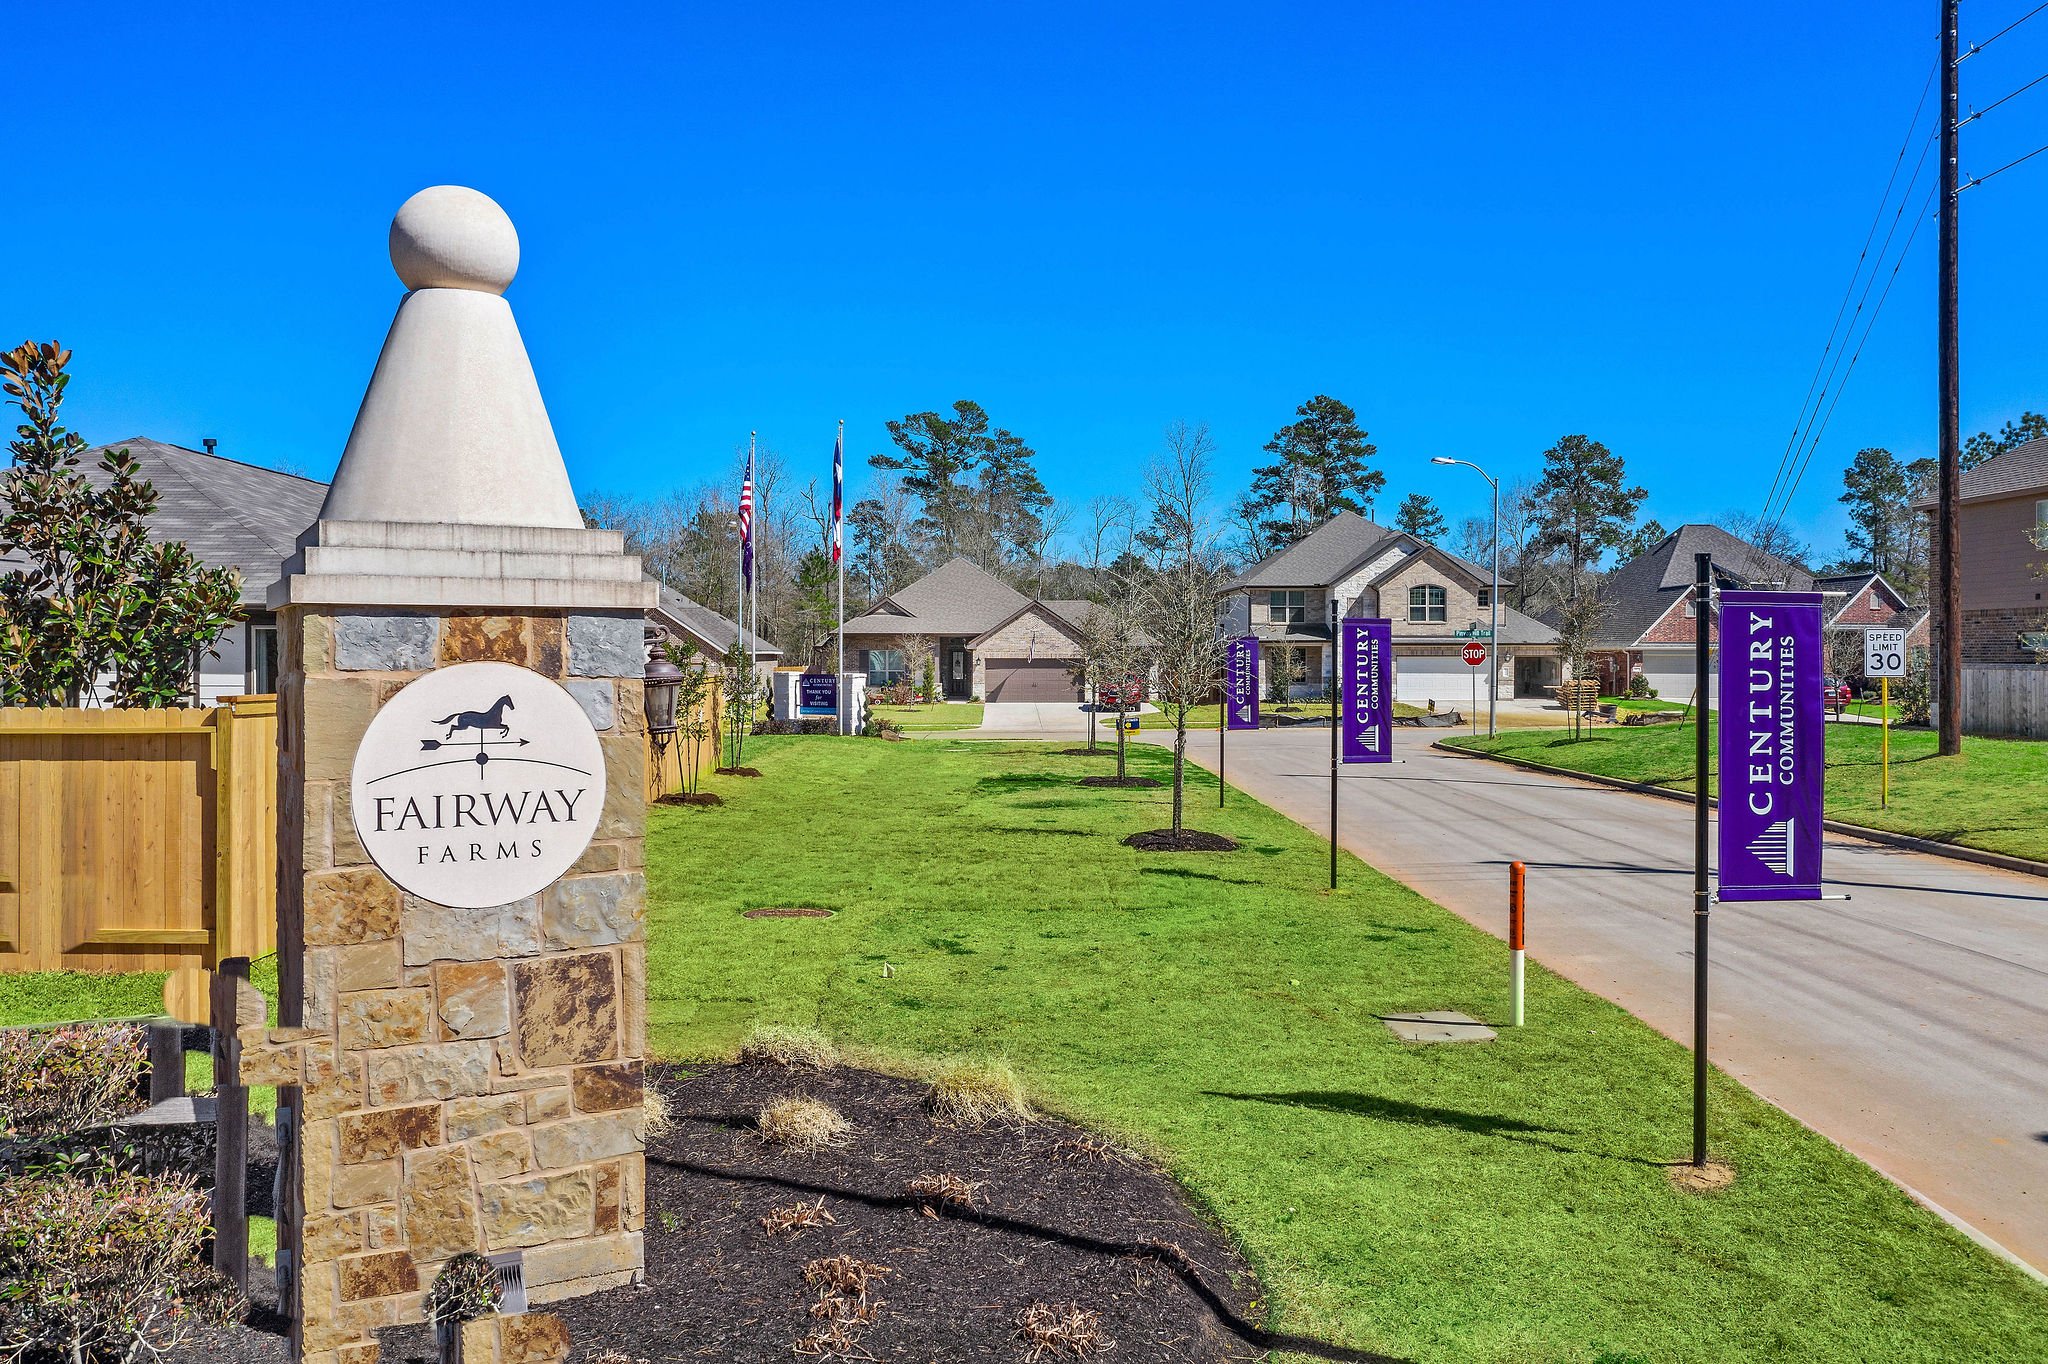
x: 1187, y: 840
x: 738, y: 771
x: 1120, y: 781
x: 1104, y: 752
x: 1057, y: 1217
x: 690, y: 798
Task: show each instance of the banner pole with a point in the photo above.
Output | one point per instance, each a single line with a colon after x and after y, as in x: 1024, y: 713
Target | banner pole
x: 840, y: 702
x: 1336, y: 677
x: 1223, y: 733
x: 1884, y: 717
x: 1702, y: 899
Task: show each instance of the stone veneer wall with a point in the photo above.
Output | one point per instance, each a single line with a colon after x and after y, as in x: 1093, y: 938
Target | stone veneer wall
x: 462, y: 1079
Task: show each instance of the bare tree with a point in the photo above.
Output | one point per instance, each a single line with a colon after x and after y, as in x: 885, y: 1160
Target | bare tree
x: 1112, y: 655
x: 1178, y: 594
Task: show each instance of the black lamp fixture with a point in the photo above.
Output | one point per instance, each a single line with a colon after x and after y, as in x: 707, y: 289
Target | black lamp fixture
x: 659, y: 683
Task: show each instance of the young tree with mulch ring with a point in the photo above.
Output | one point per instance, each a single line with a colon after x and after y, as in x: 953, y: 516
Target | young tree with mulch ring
x: 1114, y: 646
x: 742, y: 694
x: 1177, y: 605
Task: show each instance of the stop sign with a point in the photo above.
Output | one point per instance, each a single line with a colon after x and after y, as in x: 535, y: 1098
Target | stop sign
x: 1474, y: 654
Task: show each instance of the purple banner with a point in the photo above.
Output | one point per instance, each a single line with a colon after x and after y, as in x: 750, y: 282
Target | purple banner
x: 1241, y: 683
x: 1772, y: 745
x: 1365, y: 653
x: 817, y: 694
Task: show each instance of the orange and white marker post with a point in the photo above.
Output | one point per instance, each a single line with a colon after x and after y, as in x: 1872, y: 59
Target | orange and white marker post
x: 1518, y: 877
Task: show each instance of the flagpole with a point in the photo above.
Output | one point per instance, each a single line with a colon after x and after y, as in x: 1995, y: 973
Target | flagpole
x: 754, y: 579
x: 839, y: 555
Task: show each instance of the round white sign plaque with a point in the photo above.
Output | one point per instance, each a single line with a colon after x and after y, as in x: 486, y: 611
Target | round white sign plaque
x: 478, y: 785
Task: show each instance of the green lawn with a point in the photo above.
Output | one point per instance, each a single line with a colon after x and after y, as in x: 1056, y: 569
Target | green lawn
x: 1993, y: 796
x: 1646, y: 703
x: 938, y: 715
x: 1496, y: 1203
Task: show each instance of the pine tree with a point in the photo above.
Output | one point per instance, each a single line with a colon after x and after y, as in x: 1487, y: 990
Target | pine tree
x: 1322, y: 468
x: 1420, y: 518
x: 1583, y: 505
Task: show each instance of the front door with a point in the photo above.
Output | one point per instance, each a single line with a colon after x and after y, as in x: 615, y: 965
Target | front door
x: 958, y: 670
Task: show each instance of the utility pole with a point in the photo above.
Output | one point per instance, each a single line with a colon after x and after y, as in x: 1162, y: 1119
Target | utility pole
x: 1948, y: 530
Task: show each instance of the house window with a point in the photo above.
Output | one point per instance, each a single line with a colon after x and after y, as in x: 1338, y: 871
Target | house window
x: 1287, y: 608
x: 2041, y: 514
x: 885, y: 667
x: 1486, y: 597
x: 1426, y: 603
x: 263, y: 658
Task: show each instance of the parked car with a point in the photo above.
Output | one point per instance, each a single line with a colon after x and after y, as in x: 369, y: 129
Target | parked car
x: 1835, y: 694
x: 1118, y: 695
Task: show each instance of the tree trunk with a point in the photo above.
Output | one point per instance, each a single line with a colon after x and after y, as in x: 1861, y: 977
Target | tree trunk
x: 1120, y: 772
x: 1180, y: 762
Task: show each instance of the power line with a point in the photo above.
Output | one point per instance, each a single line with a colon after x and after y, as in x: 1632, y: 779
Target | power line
x: 1976, y: 114
x: 1975, y: 48
x: 1976, y: 180
x: 1871, y: 326
x: 1808, y: 419
x: 1906, y: 142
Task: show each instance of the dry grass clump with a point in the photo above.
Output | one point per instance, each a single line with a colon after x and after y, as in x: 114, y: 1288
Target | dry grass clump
x: 800, y: 1124
x: 1061, y: 1329
x: 977, y: 1093
x: 797, y: 1218
x: 949, y: 1189
x: 844, y: 1283
x: 790, y: 1048
x: 657, y: 1120
x: 1081, y: 1147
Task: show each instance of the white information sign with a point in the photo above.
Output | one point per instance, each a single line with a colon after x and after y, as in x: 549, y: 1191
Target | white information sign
x: 1884, y: 653
x: 478, y: 785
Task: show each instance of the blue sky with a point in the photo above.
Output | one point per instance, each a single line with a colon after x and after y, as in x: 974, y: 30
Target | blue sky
x: 1484, y: 226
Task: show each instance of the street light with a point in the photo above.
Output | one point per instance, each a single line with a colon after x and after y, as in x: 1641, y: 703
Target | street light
x: 1493, y: 638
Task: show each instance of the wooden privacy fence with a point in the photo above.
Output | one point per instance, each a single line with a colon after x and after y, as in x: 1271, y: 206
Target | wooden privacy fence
x: 2005, y: 700
x: 666, y: 774
x: 138, y: 840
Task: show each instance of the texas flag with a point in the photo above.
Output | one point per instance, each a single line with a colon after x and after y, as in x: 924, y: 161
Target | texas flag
x: 838, y: 494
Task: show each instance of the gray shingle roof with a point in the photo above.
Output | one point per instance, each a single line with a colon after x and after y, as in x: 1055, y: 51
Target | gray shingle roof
x: 2022, y: 469
x: 1332, y: 550
x: 231, y: 514
x: 714, y: 630
x: 956, y: 598
x: 1643, y: 589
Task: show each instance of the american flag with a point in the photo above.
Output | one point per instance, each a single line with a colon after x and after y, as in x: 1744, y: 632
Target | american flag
x: 747, y: 525
x: 838, y: 495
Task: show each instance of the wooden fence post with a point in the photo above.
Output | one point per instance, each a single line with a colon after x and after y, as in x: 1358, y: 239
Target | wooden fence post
x: 231, y: 1127
x: 166, y: 1061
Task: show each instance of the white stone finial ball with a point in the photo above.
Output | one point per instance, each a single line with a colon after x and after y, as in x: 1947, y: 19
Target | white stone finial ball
x: 452, y: 237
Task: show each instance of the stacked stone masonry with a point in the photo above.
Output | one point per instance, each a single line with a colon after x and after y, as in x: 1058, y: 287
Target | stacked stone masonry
x: 462, y: 1079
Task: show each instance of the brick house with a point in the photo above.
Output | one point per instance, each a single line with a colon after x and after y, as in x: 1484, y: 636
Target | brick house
x: 2002, y: 550
x: 1351, y: 567
x: 988, y: 639
x: 1648, y: 627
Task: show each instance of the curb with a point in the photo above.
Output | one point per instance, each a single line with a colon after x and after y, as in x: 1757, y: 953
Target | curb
x: 1952, y: 851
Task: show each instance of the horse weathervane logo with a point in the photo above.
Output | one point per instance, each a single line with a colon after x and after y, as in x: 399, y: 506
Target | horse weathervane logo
x: 484, y: 722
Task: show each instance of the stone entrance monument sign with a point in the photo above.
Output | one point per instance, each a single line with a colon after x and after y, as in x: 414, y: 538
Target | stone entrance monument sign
x: 461, y: 802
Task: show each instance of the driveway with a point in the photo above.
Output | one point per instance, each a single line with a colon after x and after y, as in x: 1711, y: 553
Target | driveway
x: 1041, y: 720
x: 1909, y: 1024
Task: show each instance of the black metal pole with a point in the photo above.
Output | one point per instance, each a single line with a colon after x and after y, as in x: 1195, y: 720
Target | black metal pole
x: 1223, y: 738
x: 1948, y: 526
x: 1336, y: 675
x: 1702, y: 899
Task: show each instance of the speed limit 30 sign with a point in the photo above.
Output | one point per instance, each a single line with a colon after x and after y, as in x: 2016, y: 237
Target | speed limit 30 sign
x: 1884, y: 653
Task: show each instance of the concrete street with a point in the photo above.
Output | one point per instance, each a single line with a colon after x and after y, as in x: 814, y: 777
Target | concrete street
x: 1909, y: 1024
x: 1043, y: 720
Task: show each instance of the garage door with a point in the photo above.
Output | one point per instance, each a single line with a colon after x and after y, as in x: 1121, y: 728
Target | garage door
x: 1442, y: 678
x: 1671, y: 674
x: 1029, y: 679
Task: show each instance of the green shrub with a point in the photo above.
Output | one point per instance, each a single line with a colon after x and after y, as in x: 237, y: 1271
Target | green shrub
x: 56, y: 1080
x: 103, y: 1265
x: 1639, y: 688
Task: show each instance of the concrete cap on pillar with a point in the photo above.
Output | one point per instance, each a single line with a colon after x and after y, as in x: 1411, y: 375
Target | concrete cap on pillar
x: 452, y: 428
